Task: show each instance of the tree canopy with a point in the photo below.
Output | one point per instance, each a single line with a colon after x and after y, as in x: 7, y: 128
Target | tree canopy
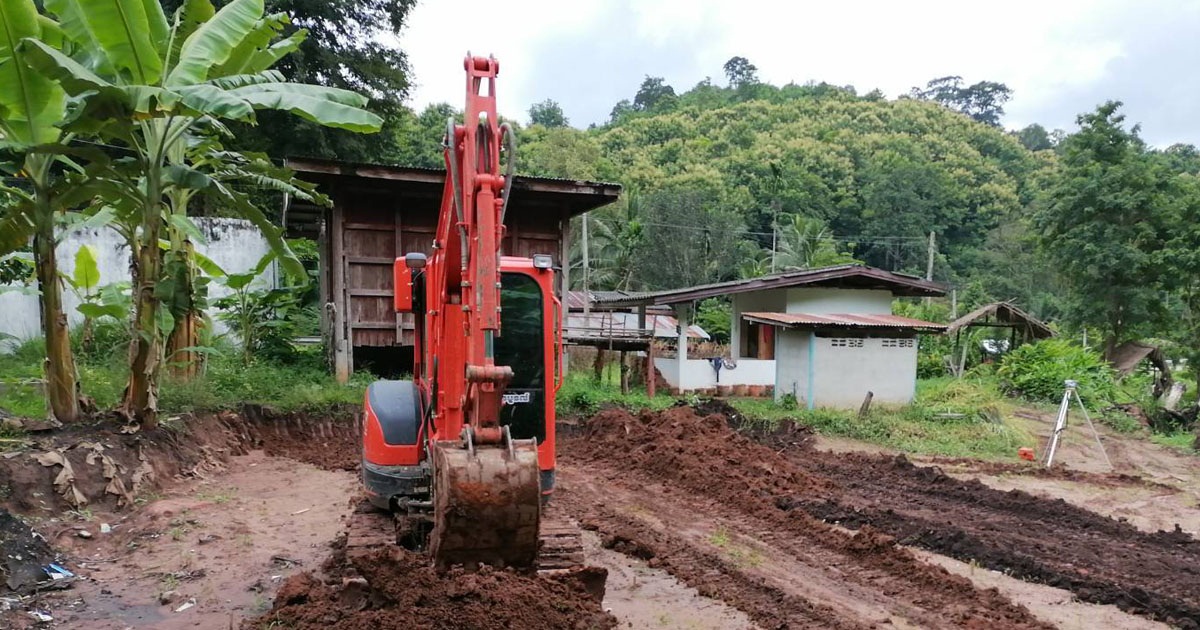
x: 547, y: 113
x: 352, y: 45
x: 983, y: 101
x: 876, y: 175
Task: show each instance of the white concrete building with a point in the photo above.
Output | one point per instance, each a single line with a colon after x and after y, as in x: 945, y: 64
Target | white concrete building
x: 234, y: 244
x: 825, y: 336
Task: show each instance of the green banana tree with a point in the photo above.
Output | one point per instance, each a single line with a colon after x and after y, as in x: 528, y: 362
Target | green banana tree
x: 30, y: 106
x: 154, y: 87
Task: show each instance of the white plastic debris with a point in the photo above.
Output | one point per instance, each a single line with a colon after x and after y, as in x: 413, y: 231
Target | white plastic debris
x: 40, y: 616
x: 186, y: 605
x: 105, y: 528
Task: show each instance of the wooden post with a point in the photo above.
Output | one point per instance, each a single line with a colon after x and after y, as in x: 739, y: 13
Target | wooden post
x: 342, y: 359
x: 587, y: 296
x: 598, y: 365
x: 564, y: 286
x: 929, y: 263
x: 624, y: 375
x: 932, y: 249
x: 866, y: 405
x: 651, y: 376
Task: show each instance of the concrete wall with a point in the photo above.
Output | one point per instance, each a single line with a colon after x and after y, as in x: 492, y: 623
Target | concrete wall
x: 233, y: 244
x: 792, y: 358
x: 820, y: 301
x: 845, y: 369
x: 773, y: 301
x: 699, y: 374
x: 845, y: 373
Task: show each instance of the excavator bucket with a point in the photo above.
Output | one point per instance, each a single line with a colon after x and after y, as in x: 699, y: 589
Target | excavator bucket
x: 487, y: 504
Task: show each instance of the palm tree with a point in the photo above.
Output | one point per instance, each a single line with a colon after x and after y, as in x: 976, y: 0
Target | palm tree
x: 807, y: 243
x: 618, y: 240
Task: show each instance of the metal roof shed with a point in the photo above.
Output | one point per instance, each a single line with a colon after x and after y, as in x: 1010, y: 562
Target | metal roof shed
x: 820, y: 334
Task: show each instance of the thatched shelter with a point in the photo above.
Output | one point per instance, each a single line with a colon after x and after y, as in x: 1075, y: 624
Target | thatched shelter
x: 1126, y: 357
x: 1024, y: 326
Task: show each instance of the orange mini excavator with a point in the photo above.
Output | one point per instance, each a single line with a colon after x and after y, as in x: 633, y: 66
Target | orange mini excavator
x: 463, y: 454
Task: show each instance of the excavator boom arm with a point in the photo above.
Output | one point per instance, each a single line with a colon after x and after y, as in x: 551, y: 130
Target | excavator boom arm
x: 471, y: 225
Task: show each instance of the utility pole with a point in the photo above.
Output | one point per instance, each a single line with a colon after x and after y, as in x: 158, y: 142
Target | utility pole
x: 774, y: 230
x: 774, y: 236
x: 587, y: 296
x: 929, y: 265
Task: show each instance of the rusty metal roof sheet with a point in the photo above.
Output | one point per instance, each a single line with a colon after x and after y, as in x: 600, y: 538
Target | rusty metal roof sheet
x: 576, y: 300
x: 605, y: 324
x: 847, y: 276
x: 843, y: 320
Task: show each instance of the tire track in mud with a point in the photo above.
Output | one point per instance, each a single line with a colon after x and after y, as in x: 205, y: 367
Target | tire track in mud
x: 693, y: 469
x: 710, y: 574
x: 1100, y: 559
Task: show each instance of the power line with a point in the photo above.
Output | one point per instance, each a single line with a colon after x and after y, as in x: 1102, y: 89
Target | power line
x: 860, y: 239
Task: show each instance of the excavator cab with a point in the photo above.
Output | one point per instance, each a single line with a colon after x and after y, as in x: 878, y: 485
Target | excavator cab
x: 404, y: 447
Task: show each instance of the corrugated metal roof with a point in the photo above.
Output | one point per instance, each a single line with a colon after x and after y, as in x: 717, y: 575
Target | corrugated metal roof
x: 576, y: 301
x: 867, y: 277
x: 843, y: 320
x: 304, y: 164
x: 618, y: 324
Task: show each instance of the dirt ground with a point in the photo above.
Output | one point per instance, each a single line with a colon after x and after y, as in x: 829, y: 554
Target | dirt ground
x: 698, y: 526
x: 222, y: 544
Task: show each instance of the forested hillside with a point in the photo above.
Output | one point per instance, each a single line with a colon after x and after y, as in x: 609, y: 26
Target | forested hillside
x: 714, y: 170
x: 1086, y: 227
x: 1089, y: 228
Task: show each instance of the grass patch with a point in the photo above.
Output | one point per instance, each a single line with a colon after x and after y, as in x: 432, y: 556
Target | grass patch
x: 302, y: 385
x: 581, y: 394
x: 951, y: 417
x: 1180, y: 441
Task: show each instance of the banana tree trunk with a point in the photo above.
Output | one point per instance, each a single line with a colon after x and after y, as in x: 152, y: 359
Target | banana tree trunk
x: 185, y: 364
x: 141, y: 395
x: 61, y: 385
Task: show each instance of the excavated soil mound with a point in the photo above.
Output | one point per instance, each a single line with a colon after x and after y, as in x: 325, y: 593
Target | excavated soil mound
x: 402, y: 591
x: 703, y: 456
x: 962, y: 465
x: 1100, y: 559
x: 99, y: 467
x: 699, y: 452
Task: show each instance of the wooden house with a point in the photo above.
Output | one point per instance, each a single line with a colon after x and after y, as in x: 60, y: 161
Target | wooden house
x: 380, y: 213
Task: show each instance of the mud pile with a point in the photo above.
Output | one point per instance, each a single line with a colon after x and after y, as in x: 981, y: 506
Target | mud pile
x: 769, y: 474
x: 1100, y: 559
x: 392, y: 588
x: 698, y: 452
x: 702, y: 460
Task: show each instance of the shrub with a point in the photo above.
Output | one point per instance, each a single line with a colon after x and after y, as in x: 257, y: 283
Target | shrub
x: 1037, y: 371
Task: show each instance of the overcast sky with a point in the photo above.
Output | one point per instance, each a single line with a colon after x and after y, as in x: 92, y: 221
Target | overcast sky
x: 1060, y: 57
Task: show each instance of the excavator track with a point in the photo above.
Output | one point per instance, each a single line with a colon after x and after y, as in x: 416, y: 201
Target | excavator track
x: 560, y: 541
